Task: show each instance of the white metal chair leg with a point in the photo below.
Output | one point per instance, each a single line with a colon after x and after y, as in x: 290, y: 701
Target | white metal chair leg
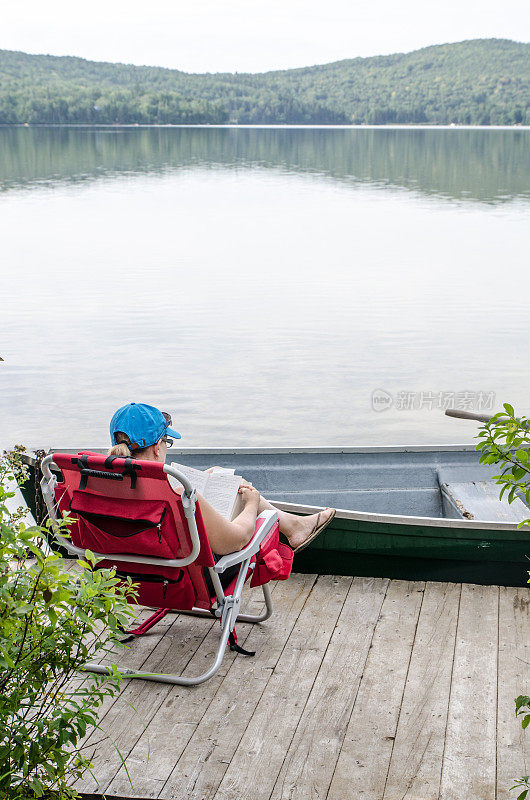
x: 181, y: 680
x: 268, y: 608
x: 199, y: 612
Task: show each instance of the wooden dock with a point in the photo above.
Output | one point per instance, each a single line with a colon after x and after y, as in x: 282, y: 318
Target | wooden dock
x: 361, y: 688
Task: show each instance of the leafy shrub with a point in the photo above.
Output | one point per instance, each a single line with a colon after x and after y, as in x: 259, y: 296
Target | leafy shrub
x: 505, y: 440
x: 51, y: 622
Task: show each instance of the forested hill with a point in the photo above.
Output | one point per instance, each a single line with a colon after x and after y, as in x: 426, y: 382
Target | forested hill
x: 482, y: 81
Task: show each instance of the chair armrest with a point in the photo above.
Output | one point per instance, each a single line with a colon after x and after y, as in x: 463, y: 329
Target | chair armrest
x: 270, y: 518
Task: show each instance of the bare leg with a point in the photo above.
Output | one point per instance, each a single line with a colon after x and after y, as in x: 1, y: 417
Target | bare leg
x: 295, y: 527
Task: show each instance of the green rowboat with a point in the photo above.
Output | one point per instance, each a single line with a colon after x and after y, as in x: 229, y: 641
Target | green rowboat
x: 424, y: 512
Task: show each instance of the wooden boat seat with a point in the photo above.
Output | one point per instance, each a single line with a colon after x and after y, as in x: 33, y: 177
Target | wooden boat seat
x: 478, y: 499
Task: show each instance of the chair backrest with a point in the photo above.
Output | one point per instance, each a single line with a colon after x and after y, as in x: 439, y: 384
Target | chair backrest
x: 125, y: 506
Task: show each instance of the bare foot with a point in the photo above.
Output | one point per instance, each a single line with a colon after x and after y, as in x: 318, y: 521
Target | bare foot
x: 302, y: 527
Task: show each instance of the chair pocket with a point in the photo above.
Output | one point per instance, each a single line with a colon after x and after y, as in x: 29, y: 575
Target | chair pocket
x: 159, y: 591
x: 98, y: 528
x: 274, y: 560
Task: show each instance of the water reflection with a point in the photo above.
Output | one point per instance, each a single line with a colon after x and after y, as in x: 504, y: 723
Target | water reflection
x: 261, y: 284
x: 489, y: 166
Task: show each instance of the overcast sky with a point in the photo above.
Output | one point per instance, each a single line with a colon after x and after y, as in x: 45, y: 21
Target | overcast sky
x: 250, y: 35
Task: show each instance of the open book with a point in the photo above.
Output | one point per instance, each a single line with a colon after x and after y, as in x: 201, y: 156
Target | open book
x: 219, y: 487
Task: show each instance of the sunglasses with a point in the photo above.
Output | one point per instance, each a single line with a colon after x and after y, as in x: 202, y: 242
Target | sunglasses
x: 169, y: 422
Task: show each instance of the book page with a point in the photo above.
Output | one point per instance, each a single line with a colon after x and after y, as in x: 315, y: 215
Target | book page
x: 196, y: 477
x: 220, y: 487
x: 222, y: 492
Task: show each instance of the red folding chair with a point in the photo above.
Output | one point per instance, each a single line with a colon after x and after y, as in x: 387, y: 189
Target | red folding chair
x: 127, y: 513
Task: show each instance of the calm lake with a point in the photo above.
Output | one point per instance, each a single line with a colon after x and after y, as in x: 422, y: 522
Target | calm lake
x: 261, y: 284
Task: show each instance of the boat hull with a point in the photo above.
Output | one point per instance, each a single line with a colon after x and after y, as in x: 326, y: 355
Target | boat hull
x: 419, y: 552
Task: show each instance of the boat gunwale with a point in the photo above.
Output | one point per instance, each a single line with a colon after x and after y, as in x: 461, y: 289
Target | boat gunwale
x: 392, y: 448
x: 434, y: 522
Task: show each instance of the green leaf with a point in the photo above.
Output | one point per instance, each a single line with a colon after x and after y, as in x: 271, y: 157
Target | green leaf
x: 24, y: 609
x: 521, y: 701
x: 509, y: 409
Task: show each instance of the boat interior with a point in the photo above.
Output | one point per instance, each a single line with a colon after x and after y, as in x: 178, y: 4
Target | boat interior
x: 426, y: 483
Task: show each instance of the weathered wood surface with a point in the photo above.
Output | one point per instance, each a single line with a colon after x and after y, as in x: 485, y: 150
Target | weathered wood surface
x: 369, y: 738
x: 310, y: 760
x: 415, y: 764
x: 261, y: 752
x: 469, y: 763
x: 360, y: 688
x: 513, y: 744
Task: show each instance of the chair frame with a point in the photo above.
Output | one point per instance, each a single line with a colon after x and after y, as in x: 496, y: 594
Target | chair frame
x: 228, y: 606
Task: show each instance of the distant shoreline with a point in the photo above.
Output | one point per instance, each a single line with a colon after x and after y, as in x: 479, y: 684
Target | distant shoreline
x: 476, y: 83
x: 270, y: 126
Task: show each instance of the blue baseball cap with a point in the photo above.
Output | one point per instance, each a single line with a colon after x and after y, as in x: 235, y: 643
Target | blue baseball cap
x: 144, y: 425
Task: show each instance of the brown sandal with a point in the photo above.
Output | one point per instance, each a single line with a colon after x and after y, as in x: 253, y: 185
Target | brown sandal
x: 317, y: 529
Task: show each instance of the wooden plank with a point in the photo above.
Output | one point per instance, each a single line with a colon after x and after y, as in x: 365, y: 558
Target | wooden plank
x: 367, y: 748
x: 416, y: 762
x: 310, y: 760
x: 187, y: 723
x: 513, y: 744
x: 260, y: 753
x: 468, y: 768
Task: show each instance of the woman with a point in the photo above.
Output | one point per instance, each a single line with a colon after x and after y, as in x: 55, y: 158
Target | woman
x: 141, y: 431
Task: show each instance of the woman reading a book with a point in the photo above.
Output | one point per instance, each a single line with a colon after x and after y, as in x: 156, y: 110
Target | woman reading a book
x: 141, y: 431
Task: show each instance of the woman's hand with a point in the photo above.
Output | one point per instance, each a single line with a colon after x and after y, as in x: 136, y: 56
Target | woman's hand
x: 249, y: 494
x: 211, y: 469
